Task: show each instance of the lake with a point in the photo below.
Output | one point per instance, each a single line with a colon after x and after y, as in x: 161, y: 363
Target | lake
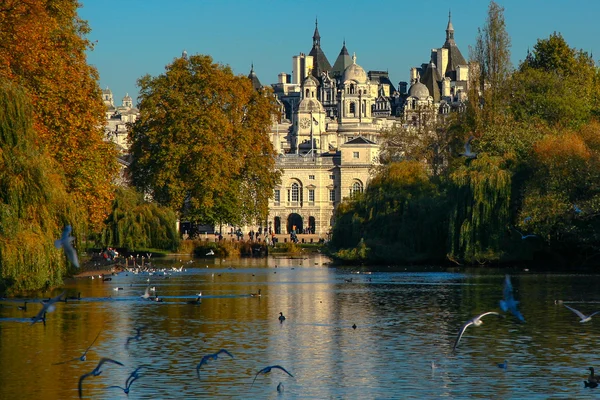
x: 405, y: 318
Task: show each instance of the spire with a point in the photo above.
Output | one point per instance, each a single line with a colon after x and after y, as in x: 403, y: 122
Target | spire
x: 449, y: 29
x: 316, y: 36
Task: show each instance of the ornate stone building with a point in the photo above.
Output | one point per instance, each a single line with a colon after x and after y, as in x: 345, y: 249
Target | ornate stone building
x: 117, y: 119
x: 331, y: 117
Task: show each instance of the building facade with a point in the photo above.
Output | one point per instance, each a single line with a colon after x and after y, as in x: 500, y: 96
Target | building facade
x: 327, y: 136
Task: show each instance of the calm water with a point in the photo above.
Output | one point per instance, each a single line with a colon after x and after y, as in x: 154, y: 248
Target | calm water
x: 405, y: 320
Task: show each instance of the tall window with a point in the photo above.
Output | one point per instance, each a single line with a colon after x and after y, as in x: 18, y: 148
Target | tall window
x: 311, y: 195
x: 295, y: 192
x: 357, y: 187
x: 331, y: 195
x: 277, y: 196
x: 352, y: 108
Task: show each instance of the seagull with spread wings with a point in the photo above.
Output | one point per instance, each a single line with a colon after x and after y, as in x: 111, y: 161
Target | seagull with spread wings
x: 208, y: 357
x: 468, y: 153
x: 65, y: 242
x: 96, y: 371
x: 508, y: 303
x: 475, y: 322
x: 268, y: 369
x: 584, y: 318
x: 83, y: 356
x: 48, y: 306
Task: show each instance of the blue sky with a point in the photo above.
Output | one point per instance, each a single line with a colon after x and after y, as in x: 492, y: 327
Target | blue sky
x: 138, y: 37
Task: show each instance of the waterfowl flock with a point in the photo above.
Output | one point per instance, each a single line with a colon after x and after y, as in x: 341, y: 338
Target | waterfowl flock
x: 205, y: 366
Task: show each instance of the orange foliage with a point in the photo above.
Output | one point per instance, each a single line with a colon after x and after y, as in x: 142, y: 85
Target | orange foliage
x: 42, y: 48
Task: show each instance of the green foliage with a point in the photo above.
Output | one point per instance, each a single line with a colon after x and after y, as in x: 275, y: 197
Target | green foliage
x: 137, y: 224
x: 34, y: 203
x: 557, y: 84
x: 480, y: 213
x: 201, y: 144
x: 400, y: 216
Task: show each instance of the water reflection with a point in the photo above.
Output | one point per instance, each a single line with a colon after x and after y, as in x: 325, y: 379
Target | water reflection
x: 405, y: 319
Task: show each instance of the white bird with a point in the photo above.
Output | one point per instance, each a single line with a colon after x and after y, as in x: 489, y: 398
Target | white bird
x: 146, y: 295
x: 210, y: 253
x: 584, y: 318
x: 475, y: 321
x: 65, y: 242
x: 468, y: 153
x: 508, y: 303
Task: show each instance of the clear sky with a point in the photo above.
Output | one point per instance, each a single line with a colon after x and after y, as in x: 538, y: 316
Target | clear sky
x: 138, y: 37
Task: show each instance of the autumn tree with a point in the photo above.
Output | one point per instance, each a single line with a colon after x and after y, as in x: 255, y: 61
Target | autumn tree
x: 201, y: 144
x: 34, y: 203
x: 42, y: 48
x: 491, y: 58
x: 557, y: 84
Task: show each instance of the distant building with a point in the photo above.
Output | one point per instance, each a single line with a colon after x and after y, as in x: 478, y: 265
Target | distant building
x: 117, y: 119
x: 331, y: 117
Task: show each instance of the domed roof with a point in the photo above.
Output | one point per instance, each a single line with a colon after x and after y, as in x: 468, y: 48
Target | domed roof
x: 419, y: 91
x: 310, y: 81
x: 355, y: 72
x: 308, y: 105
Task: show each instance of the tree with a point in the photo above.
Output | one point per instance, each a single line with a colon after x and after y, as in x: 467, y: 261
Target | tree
x: 42, y: 48
x: 492, y: 57
x: 34, y: 203
x: 201, y: 144
x: 137, y: 224
x: 428, y: 143
x: 556, y: 84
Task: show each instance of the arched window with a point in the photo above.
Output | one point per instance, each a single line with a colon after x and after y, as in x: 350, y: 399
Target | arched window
x: 357, y: 187
x: 295, y: 192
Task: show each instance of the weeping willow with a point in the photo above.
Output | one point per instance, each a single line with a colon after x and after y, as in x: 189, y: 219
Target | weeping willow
x: 400, y: 218
x: 34, y: 204
x: 480, y: 215
x: 137, y: 224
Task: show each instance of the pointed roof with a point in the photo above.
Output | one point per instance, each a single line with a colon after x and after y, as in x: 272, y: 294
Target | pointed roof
x: 342, y: 62
x: 432, y: 79
x: 455, y: 58
x: 360, y: 140
x: 320, y: 62
x: 252, y: 76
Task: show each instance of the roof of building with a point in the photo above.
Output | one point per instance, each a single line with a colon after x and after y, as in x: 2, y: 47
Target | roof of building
x: 320, y: 62
x: 342, y: 62
x: 360, y: 140
x: 355, y: 72
x: 311, y: 104
x: 432, y: 79
x: 455, y: 58
x: 252, y: 76
x: 418, y: 90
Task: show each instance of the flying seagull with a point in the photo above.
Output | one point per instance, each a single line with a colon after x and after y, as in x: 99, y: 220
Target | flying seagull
x: 468, y: 153
x: 475, y: 321
x: 48, y: 306
x: 210, y: 253
x: 584, y: 318
x: 96, y: 371
x: 137, y: 336
x: 208, y: 357
x: 523, y: 237
x: 132, y: 378
x: 508, y: 303
x: 268, y: 369
x: 83, y: 356
x: 65, y: 242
